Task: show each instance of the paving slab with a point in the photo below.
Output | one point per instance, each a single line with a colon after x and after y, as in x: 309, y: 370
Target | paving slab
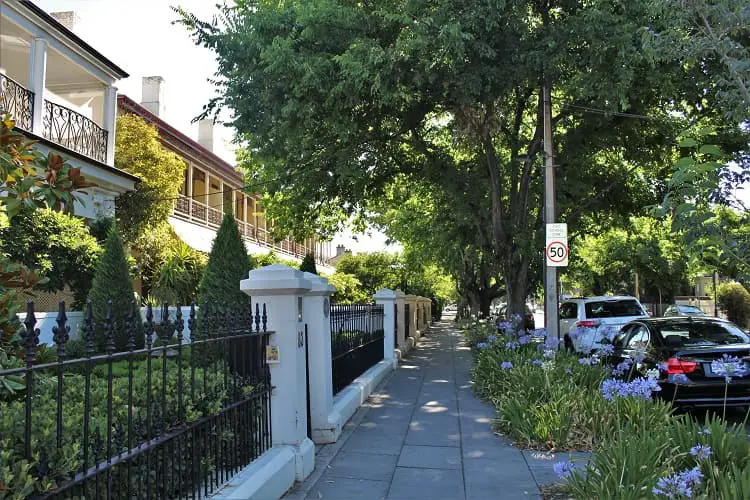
x: 423, y: 434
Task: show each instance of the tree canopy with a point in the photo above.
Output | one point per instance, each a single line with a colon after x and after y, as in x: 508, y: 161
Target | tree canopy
x: 337, y: 101
x: 162, y: 173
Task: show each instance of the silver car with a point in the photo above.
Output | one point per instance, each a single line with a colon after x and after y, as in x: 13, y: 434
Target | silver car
x: 586, y: 321
x: 683, y: 310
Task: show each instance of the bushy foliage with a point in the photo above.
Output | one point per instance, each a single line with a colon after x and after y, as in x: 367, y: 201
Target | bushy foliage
x: 52, y: 464
x: 348, y: 288
x: 552, y: 400
x: 179, y: 275
x: 139, y: 152
x: 228, y: 264
x: 267, y: 259
x: 308, y: 264
x: 58, y: 245
x: 734, y: 299
x: 112, y: 283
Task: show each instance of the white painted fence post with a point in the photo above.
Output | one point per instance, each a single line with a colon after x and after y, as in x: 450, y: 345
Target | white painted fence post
x: 316, y: 310
x: 400, y: 324
x: 387, y: 298
x: 281, y: 288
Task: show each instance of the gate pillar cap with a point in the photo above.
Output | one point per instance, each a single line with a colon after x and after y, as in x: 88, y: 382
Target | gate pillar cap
x: 276, y: 279
x: 320, y: 285
x: 386, y: 293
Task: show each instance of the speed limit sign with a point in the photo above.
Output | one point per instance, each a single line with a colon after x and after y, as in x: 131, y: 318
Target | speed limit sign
x: 556, y: 250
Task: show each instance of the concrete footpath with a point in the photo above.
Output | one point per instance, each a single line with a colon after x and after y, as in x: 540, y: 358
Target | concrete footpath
x: 424, y: 435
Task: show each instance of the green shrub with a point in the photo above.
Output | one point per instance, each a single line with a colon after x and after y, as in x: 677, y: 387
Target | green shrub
x: 228, y: 264
x: 112, y: 282
x: 58, y: 245
x: 734, y: 299
x: 52, y: 464
x: 179, y: 276
x: 308, y: 264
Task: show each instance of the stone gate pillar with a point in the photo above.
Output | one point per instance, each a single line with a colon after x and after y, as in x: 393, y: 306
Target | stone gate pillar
x: 387, y: 298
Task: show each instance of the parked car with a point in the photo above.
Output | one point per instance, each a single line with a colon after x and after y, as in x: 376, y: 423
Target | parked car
x: 683, y: 310
x: 528, y: 316
x: 684, y: 348
x: 585, y: 321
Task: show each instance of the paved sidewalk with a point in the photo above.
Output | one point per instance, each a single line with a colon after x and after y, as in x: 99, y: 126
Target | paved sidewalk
x: 423, y: 435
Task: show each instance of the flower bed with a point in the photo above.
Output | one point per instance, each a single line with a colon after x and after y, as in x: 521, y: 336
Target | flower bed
x: 548, y: 399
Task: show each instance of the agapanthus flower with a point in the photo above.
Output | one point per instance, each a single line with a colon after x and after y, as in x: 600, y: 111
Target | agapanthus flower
x: 549, y: 354
x: 482, y: 345
x: 538, y: 332
x: 575, y: 333
x: 729, y: 366
x: 705, y: 432
x: 661, y: 366
x: 610, y: 332
x: 641, y: 388
x: 491, y: 338
x: 622, y: 368
x: 678, y: 378
x: 524, y: 339
x: 512, y: 345
x: 587, y: 348
x: 606, y: 350
x: 551, y: 343
x: 537, y: 362
x: 701, y: 452
x: 653, y: 373
x: 589, y: 361
x: 564, y: 469
x: 679, y: 485
x: 506, y: 365
x: 505, y: 326
x: 568, y: 371
x: 637, y: 355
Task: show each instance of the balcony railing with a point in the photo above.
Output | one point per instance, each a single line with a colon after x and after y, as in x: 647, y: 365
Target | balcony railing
x: 196, y: 212
x: 74, y: 131
x: 61, y: 125
x: 17, y: 101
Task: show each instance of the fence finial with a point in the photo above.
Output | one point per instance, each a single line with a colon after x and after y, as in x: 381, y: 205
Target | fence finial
x: 109, y: 331
x: 30, y: 335
x: 61, y: 332
x: 149, y: 326
x: 130, y: 325
x: 179, y: 324
x: 88, y: 328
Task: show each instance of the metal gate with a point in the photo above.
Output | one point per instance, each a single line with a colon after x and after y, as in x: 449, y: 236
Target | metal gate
x: 407, y: 322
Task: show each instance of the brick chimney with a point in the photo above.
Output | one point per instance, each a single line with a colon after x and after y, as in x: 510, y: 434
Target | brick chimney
x: 152, y: 97
x: 206, y: 133
x: 69, y: 18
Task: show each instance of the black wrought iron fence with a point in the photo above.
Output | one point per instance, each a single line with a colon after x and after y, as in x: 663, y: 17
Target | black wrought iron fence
x: 356, y: 341
x: 171, y: 420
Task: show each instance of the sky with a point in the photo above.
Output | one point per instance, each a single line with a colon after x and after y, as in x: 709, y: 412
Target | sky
x: 138, y: 36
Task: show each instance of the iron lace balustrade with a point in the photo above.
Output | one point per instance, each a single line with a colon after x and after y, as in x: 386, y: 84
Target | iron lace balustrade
x: 16, y: 101
x: 174, y: 419
x: 356, y: 341
x: 74, y: 131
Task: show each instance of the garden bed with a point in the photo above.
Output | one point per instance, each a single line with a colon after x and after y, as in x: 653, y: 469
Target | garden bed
x: 550, y: 400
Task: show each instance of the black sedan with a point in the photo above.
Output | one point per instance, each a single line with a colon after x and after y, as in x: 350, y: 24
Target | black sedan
x: 697, y: 358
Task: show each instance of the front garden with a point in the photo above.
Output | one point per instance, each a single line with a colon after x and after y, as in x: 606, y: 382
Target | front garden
x: 548, y: 399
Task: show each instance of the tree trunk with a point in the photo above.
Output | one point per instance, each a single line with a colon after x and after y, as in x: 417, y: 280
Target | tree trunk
x: 516, y: 282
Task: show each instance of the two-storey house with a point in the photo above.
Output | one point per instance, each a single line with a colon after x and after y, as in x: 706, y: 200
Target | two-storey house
x: 62, y: 94
x: 212, y: 186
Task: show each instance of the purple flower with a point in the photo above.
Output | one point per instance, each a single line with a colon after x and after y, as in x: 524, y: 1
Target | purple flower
x: 506, y: 365
x: 551, y: 343
x: 568, y: 371
x: 537, y: 362
x: 482, y: 345
x: 504, y: 326
x: 587, y: 361
x: 729, y: 366
x: 491, y: 338
x: 679, y: 485
x: 538, y: 332
x: 622, y: 368
x: 678, y: 378
x: 512, y: 345
x: 575, y: 333
x: 639, y: 388
x: 701, y: 452
x: 524, y: 339
x: 606, y: 350
x: 637, y: 355
x: 586, y: 348
x: 564, y: 469
x: 610, y: 332
x: 662, y: 366
x: 705, y: 432
x: 549, y: 354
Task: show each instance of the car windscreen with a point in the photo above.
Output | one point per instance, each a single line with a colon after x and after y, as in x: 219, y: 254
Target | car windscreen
x: 690, y: 310
x: 613, y: 309
x: 687, y: 334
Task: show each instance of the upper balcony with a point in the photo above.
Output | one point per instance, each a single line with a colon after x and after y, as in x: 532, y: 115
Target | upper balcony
x: 54, y: 85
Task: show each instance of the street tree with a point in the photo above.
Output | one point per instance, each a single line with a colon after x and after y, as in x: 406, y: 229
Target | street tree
x: 336, y: 100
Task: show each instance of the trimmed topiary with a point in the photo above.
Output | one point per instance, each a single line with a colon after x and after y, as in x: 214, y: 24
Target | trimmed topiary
x: 112, y: 282
x: 308, y: 264
x: 228, y: 264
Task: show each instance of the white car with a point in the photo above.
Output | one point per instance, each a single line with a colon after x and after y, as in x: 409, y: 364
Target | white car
x: 584, y: 322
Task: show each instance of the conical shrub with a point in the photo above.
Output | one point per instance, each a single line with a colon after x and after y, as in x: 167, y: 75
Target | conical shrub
x: 112, y: 282
x: 308, y: 264
x: 228, y: 264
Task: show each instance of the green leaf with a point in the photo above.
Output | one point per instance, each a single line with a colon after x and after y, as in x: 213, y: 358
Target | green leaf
x: 688, y: 142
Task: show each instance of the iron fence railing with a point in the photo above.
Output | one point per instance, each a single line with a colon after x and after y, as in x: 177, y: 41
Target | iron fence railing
x: 169, y: 420
x: 74, y: 131
x: 16, y: 101
x: 356, y: 340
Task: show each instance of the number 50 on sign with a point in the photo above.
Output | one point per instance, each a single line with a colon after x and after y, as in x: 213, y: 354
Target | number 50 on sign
x: 556, y: 249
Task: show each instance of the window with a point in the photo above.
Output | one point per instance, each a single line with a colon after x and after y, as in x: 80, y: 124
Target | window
x: 568, y: 310
x: 199, y: 186
x: 708, y: 333
x: 639, y: 338
x: 613, y: 309
x: 239, y: 201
